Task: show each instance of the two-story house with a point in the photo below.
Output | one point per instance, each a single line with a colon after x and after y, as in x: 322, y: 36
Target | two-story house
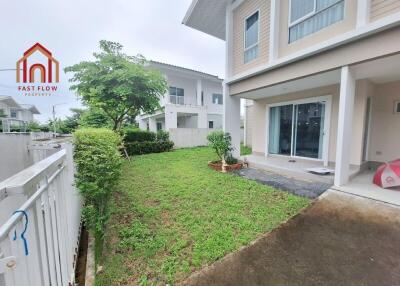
x: 194, y: 100
x: 323, y: 78
x: 13, y: 114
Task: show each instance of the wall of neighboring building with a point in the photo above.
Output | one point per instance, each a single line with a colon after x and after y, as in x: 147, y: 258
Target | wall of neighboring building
x: 246, y: 9
x: 217, y: 119
x: 187, y: 121
x: 14, y: 155
x: 5, y: 108
x: 210, y: 87
x: 189, y: 86
x: 26, y: 115
x: 383, y: 8
x: 189, y: 137
x: 385, y: 124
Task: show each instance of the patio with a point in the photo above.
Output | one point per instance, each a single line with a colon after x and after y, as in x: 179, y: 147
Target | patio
x: 362, y: 186
x: 293, y: 167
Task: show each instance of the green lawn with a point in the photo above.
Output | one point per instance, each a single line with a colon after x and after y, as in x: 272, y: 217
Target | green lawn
x: 172, y: 215
x: 244, y: 150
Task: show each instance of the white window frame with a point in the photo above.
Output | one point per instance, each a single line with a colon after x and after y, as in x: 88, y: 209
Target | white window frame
x: 309, y: 15
x: 327, y: 127
x: 258, y: 36
x: 212, y: 124
x: 222, y: 99
x: 176, y: 95
x: 14, y: 110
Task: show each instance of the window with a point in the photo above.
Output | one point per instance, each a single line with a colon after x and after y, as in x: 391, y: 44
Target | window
x: 217, y: 98
x: 211, y: 124
x: 2, y: 112
x: 159, y: 126
x: 13, y: 113
x: 310, y: 16
x: 176, y: 95
x: 397, y: 107
x: 251, y: 38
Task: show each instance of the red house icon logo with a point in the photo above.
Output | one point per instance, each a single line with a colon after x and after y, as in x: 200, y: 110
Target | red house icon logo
x: 48, y: 74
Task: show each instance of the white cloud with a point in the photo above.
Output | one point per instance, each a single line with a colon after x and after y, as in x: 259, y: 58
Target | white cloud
x: 72, y: 29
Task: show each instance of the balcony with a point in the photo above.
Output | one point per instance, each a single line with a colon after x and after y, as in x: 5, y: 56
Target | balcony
x: 180, y: 100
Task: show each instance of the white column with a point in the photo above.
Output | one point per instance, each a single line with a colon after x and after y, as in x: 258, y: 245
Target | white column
x: 228, y: 41
x: 245, y: 123
x: 171, y: 118
x: 152, y: 124
x: 202, y: 119
x: 232, y: 119
x: 363, y: 12
x: 142, y: 124
x: 274, y: 30
x: 345, y: 123
x: 199, y: 90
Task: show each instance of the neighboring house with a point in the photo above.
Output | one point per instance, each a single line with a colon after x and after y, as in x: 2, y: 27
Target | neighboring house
x: 13, y: 114
x: 194, y: 100
x: 323, y: 77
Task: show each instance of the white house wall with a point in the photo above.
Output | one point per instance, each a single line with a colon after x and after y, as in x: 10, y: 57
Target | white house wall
x: 217, y: 119
x: 385, y: 124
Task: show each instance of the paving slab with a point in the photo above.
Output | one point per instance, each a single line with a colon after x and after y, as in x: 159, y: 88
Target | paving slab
x: 303, y: 188
x: 340, y: 239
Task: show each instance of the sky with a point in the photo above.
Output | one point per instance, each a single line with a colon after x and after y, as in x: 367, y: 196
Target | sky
x: 72, y: 29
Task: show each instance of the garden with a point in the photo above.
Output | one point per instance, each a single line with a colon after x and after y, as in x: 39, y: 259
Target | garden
x: 172, y: 215
x: 157, y: 214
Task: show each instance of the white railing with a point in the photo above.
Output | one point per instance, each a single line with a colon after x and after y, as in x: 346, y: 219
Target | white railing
x: 180, y: 100
x: 41, y: 135
x: 39, y: 240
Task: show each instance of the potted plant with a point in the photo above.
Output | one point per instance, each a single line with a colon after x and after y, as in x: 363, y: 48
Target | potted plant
x: 221, y: 143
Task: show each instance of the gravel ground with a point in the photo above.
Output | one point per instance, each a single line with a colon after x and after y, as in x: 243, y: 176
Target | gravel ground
x: 301, y: 188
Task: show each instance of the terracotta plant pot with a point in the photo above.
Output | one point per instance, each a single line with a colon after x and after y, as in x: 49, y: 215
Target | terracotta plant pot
x: 217, y: 166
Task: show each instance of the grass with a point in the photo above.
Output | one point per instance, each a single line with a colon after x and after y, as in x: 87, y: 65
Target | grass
x: 172, y: 215
x: 244, y: 150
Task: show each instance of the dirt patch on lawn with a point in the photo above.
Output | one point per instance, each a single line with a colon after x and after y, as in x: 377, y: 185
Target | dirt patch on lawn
x: 339, y: 240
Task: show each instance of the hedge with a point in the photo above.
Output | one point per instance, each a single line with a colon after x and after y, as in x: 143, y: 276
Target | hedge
x: 98, y: 167
x: 139, y: 148
x: 137, y: 135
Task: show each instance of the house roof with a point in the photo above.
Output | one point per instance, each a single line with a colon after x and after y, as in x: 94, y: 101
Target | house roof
x: 207, y: 16
x: 31, y: 108
x: 9, y: 101
x: 160, y: 65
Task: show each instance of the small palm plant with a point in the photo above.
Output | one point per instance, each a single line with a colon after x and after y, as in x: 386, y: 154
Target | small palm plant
x: 221, y: 143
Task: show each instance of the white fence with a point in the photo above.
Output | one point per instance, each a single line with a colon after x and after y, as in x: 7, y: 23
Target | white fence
x: 41, y: 135
x: 39, y: 240
x: 189, y: 137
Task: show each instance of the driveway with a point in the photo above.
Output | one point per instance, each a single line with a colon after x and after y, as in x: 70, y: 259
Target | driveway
x: 339, y: 240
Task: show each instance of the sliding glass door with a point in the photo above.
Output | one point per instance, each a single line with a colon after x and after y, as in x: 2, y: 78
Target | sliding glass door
x: 297, y: 129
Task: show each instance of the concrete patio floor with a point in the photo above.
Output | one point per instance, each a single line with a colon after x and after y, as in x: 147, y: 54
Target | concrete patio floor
x: 341, y: 239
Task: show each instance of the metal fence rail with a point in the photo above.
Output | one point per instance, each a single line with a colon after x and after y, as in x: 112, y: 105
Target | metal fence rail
x: 39, y: 241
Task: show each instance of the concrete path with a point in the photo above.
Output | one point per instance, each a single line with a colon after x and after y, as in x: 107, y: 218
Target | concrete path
x: 298, y: 187
x: 340, y: 240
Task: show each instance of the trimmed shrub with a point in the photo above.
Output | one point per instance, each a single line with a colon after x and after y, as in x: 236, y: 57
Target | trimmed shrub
x: 162, y: 136
x: 139, y: 148
x: 137, y: 135
x: 98, y: 167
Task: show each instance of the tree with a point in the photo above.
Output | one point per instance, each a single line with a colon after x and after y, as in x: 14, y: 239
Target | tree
x: 95, y: 118
x: 120, y: 85
x: 71, y: 123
